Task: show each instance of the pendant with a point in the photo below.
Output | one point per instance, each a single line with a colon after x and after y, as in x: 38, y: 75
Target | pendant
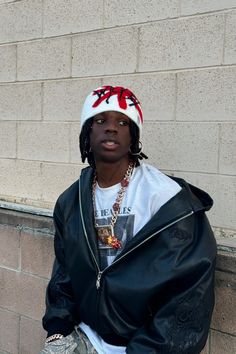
x: 107, y: 237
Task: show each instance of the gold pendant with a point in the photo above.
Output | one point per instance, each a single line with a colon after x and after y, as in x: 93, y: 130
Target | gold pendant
x: 107, y: 237
x: 104, y: 232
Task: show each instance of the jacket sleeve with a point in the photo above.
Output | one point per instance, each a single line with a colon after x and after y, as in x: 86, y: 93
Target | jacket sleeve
x: 181, y: 319
x: 60, y: 306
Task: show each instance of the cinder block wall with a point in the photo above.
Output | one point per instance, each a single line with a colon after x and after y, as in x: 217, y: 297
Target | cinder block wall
x: 179, y: 57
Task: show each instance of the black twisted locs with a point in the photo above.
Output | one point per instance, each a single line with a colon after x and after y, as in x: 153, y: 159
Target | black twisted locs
x: 86, y: 153
x: 84, y: 143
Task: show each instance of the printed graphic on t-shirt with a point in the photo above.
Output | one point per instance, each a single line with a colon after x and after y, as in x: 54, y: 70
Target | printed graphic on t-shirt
x: 143, y: 205
x: 123, y: 230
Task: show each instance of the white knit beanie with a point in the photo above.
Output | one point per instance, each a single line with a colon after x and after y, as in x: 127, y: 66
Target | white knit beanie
x: 112, y: 98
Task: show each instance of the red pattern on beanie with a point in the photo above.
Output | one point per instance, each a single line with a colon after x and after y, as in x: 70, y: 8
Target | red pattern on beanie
x: 105, y: 92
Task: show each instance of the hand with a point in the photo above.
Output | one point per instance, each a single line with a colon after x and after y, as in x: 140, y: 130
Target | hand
x: 64, y: 345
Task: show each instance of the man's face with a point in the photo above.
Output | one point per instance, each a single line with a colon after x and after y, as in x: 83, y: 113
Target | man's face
x: 110, y: 137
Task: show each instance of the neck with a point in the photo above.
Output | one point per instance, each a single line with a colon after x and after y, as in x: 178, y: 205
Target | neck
x: 109, y: 174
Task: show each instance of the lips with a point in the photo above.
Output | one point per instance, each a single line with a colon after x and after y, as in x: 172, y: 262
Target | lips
x: 109, y: 144
x: 110, y: 141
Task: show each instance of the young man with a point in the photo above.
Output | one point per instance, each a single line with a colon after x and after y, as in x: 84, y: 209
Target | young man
x: 135, y: 254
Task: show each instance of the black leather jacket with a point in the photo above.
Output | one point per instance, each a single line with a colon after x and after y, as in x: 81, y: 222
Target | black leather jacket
x: 158, y: 294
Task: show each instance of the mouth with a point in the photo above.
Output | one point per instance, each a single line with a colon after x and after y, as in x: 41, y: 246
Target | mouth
x: 109, y: 144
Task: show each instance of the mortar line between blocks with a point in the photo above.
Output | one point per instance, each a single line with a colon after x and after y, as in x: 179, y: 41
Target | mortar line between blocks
x: 101, y: 76
x: 219, y: 331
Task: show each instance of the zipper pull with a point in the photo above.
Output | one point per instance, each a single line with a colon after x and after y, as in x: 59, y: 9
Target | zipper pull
x: 98, y: 280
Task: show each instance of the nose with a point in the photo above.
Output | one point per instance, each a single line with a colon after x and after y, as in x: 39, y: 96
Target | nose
x: 111, y: 126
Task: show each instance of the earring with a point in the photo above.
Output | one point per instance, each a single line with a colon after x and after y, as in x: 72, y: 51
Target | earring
x: 139, y: 151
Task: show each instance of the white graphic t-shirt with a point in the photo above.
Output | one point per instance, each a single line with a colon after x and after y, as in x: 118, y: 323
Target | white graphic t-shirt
x: 148, y: 190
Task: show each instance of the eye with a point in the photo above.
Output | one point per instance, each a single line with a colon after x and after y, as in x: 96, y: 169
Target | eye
x: 99, y: 120
x: 123, y: 122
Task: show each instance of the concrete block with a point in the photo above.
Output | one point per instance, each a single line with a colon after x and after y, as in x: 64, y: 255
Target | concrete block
x: 207, y: 95
x: 105, y: 52
x: 32, y: 336
x: 156, y: 93
x: 56, y: 178
x: 44, y: 59
x: 225, y: 202
x: 43, y: 141
x: 10, y: 247
x: 15, y: 295
x: 189, y: 7
x: 197, y: 147
x: 63, y: 100
x: 230, y: 38
x: 226, y: 260
x: 37, y: 253
x: 224, y: 313
x: 179, y: 43
x: 8, y: 139
x: 75, y: 156
x: 20, y: 180
x: 7, y: 63
x: 222, y: 343
x: 158, y: 140
x: 20, y: 102
x: 227, y: 162
x: 9, y: 331
x: 223, y: 191
x: 135, y: 11
x: 182, y: 146
x: 21, y: 20
x: 72, y: 16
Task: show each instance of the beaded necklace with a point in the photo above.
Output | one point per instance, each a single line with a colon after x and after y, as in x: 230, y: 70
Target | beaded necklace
x: 105, y: 233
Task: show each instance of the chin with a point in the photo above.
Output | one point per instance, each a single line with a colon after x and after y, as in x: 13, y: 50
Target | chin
x: 111, y: 158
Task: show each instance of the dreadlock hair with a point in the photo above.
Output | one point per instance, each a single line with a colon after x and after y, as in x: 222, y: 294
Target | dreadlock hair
x: 84, y: 142
x: 135, y: 151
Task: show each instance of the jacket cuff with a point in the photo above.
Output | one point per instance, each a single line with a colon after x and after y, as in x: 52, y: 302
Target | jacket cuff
x: 59, y: 326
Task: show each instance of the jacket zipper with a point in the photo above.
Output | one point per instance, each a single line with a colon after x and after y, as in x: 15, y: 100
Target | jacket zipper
x: 100, y: 272
x: 99, y: 278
